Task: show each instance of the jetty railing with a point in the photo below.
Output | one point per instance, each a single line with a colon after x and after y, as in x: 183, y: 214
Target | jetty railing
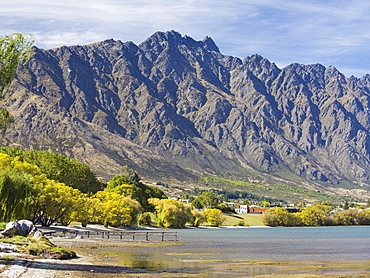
x: 122, y: 235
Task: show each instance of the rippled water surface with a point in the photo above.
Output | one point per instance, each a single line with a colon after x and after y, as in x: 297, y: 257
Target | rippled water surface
x: 249, y: 252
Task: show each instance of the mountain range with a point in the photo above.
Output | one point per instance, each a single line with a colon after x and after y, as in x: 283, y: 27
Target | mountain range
x: 176, y: 109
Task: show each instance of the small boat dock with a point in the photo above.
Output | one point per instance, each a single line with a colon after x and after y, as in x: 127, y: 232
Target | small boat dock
x: 143, y: 235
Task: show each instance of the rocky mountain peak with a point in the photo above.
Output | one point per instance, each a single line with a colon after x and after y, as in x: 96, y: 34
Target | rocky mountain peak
x: 175, y: 107
x: 210, y: 44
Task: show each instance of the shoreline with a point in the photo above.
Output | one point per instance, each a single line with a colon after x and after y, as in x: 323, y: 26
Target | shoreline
x: 88, y: 263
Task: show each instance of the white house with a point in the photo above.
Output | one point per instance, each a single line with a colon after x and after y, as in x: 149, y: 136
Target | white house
x: 242, y: 209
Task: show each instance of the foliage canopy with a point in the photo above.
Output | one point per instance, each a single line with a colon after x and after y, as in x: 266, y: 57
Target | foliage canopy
x: 316, y: 215
x: 59, y: 168
x: 13, y: 49
x: 131, y: 186
x: 171, y: 213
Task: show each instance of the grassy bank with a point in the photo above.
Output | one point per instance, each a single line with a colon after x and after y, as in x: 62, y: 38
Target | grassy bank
x: 249, y: 219
x: 41, y: 247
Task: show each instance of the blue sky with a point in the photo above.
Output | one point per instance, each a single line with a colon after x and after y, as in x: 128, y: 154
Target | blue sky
x: 284, y: 31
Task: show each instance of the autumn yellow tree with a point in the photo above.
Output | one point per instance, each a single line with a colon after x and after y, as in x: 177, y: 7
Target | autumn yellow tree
x: 171, y: 213
x: 115, y: 209
x: 316, y: 215
x: 214, y: 217
x: 55, y: 202
x: 88, y: 209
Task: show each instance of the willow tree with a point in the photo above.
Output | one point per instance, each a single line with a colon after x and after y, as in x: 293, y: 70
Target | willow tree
x: 16, y: 196
x: 15, y: 50
x: 17, y: 188
x: 171, y: 213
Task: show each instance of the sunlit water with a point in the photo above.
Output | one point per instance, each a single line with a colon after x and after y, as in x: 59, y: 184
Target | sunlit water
x: 249, y: 252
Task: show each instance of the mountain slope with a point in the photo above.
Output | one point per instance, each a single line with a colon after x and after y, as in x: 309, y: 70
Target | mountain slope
x: 174, y: 108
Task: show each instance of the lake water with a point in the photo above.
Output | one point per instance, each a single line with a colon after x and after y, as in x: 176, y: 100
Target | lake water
x: 253, y: 252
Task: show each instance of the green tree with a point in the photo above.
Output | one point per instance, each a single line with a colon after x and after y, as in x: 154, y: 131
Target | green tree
x: 265, y: 204
x: 171, y: 213
x: 214, y: 217
x: 206, y: 200
x: 131, y: 175
x: 17, y: 187
x: 225, y: 208
x: 59, y: 168
x: 136, y: 190
x: 13, y: 49
x: 15, y: 196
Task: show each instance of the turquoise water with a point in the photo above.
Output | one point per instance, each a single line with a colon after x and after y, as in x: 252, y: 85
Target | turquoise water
x: 249, y: 252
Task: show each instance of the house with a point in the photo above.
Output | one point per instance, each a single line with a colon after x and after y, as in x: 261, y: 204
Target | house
x: 241, y: 209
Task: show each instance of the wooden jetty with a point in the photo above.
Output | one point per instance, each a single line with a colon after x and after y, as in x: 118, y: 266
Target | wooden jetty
x: 125, y: 235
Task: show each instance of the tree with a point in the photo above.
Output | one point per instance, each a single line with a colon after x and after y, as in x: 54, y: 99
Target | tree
x: 197, y: 218
x: 214, y: 217
x: 145, y: 219
x: 131, y: 175
x: 206, y: 200
x: 55, y: 201
x: 351, y: 217
x: 316, y: 215
x: 13, y: 49
x: 115, y: 209
x: 265, y: 204
x: 345, y: 217
x: 59, y: 168
x: 17, y: 187
x: 87, y: 210
x: 136, y: 190
x: 280, y: 217
x: 363, y: 217
x: 171, y: 213
x: 15, y: 196
x: 327, y: 203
